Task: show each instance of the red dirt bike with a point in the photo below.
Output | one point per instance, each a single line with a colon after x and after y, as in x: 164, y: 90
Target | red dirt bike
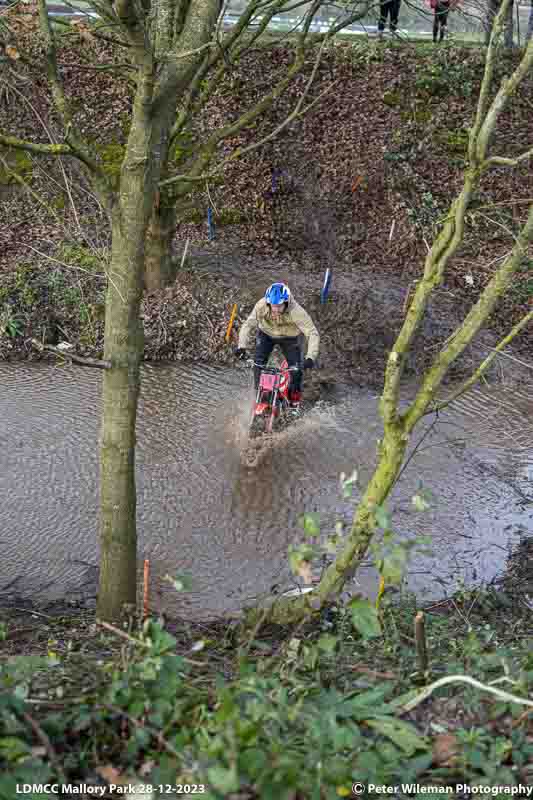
x: 271, y: 409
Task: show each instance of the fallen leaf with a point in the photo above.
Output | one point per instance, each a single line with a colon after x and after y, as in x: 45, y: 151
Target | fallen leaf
x: 446, y: 748
x: 109, y: 773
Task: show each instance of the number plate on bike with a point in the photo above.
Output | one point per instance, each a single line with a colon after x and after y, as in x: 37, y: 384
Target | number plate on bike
x: 268, y: 382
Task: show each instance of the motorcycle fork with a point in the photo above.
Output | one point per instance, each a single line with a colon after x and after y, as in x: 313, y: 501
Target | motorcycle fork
x: 273, y: 410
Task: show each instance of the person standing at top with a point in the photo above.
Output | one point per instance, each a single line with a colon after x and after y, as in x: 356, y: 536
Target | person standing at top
x: 441, y: 9
x: 391, y: 9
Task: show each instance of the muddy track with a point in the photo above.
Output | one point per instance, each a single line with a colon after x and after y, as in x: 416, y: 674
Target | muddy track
x: 359, y: 322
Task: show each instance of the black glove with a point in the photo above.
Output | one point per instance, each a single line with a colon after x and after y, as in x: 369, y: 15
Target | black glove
x: 240, y: 352
x: 309, y: 363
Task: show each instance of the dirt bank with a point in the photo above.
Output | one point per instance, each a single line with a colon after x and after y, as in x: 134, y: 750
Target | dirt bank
x: 361, y: 184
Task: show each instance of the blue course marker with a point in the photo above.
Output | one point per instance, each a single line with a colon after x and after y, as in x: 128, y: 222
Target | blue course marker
x: 210, y: 224
x: 325, y: 287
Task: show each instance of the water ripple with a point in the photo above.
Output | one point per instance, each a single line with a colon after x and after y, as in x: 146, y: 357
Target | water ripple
x: 201, y: 512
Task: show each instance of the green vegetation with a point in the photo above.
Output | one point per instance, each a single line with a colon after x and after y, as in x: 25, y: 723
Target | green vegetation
x: 34, y: 296
x: 441, y: 78
x: 232, y: 216
x: 10, y: 323
x: 310, y: 711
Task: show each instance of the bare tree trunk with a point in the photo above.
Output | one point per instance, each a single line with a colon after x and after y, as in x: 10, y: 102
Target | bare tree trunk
x: 124, y: 343
x: 530, y: 24
x: 123, y: 346
x: 159, y: 266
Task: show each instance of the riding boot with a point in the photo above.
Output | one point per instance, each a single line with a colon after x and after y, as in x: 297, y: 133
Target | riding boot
x: 295, y: 397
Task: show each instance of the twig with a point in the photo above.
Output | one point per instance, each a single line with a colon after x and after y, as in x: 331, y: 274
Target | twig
x: 11, y: 633
x: 43, y: 738
x: 407, y: 296
x: 63, y: 264
x: 140, y: 643
x: 262, y: 617
x: 416, y: 447
x: 513, y: 358
x: 31, y: 611
x: 386, y: 676
x: 35, y: 701
x: 82, y: 360
x: 420, y: 642
x: 184, y: 256
x: 518, y: 721
x: 486, y: 363
x: 210, y: 198
x: 118, y: 632
x: 158, y: 736
x: 101, y: 67
x: 25, y: 185
x: 425, y: 693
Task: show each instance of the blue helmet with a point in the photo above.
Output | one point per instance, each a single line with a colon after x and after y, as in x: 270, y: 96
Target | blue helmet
x: 277, y: 293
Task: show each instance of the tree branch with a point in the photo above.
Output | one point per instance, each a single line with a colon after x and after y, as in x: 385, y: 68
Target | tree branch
x: 490, y: 64
x: 223, y: 50
x: 85, y: 362
x: 33, y: 147
x: 197, y: 170
x: 471, y: 325
x: 126, y: 14
x: 103, y: 8
x: 26, y: 186
x: 451, y: 235
x: 92, y: 30
x: 51, y: 62
x: 507, y: 89
x: 240, y: 152
x: 515, y: 330
x: 500, y: 161
x: 348, y: 20
x: 77, y: 146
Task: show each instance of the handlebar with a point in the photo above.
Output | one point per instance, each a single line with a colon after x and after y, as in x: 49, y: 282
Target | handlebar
x: 274, y: 370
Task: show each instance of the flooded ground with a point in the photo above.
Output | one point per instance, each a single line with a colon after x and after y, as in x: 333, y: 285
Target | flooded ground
x: 201, y: 513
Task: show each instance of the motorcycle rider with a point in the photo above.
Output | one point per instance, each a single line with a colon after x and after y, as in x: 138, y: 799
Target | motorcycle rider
x: 278, y: 319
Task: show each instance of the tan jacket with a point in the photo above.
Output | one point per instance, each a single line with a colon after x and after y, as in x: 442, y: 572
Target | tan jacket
x: 294, y: 321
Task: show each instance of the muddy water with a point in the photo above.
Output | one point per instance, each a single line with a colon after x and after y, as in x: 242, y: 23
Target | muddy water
x: 200, y: 512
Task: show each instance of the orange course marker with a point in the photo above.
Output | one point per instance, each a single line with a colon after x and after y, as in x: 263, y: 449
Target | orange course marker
x: 231, y: 321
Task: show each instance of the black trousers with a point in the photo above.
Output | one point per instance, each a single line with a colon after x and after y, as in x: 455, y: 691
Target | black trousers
x: 290, y: 348
x: 389, y: 8
x: 440, y: 19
